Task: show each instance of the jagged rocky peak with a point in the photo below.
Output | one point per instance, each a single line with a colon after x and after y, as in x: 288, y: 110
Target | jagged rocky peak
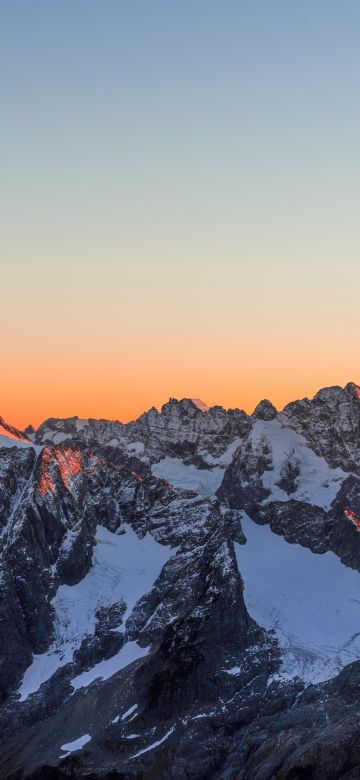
x: 64, y: 424
x: 186, y: 404
x: 329, y: 395
x: 336, y: 394
x: 353, y: 390
x: 189, y: 406
x: 87, y: 431
x: 185, y: 412
x: 182, y: 429
x: 265, y: 410
x: 330, y: 422
x: 29, y: 430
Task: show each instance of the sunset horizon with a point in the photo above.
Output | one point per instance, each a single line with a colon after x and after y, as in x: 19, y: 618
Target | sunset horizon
x: 64, y: 410
x: 179, y: 205
x: 180, y: 390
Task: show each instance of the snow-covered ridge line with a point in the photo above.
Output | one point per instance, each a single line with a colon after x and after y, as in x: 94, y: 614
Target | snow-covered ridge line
x: 11, y: 431
x: 11, y: 437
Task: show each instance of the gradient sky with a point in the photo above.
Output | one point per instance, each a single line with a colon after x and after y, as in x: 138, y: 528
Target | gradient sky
x: 179, y: 190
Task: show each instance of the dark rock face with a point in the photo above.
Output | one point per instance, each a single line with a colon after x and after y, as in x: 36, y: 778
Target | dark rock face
x: 265, y: 410
x: 331, y: 424
x: 298, y: 523
x: 15, y: 469
x: 29, y: 431
x: 242, y: 486
x: 199, y: 693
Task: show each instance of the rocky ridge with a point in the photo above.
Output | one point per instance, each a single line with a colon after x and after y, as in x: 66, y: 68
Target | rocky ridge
x: 130, y: 644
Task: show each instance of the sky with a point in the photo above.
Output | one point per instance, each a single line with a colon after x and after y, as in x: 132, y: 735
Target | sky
x: 179, y: 199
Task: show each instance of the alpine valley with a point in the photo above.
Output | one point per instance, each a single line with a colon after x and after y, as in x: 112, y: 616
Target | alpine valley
x: 180, y: 595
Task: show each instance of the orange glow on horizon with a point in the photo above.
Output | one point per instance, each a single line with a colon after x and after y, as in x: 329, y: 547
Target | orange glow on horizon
x: 105, y: 374
x: 112, y: 401
x: 177, y: 226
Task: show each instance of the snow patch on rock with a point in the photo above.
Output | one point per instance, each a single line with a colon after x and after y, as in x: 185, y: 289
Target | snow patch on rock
x: 129, y: 712
x: 77, y: 744
x: 188, y: 477
x: 129, y: 653
x: 55, y: 438
x: 80, y: 424
x: 317, y: 483
x: 154, y: 744
x: 226, y: 457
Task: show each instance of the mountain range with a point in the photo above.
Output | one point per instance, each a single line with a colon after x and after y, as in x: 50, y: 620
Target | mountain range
x: 180, y: 595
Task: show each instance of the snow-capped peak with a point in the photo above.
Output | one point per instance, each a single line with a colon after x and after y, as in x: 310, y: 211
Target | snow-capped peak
x: 200, y: 404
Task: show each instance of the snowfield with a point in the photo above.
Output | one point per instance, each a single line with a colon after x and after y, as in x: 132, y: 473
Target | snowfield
x: 317, y: 483
x: 123, y: 568
x: 311, y: 601
x: 188, y: 477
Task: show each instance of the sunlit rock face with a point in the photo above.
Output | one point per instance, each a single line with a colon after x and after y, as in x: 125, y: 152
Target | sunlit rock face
x: 200, y: 404
x: 179, y: 595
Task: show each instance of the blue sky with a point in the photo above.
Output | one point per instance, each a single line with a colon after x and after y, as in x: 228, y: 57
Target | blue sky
x: 163, y: 158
